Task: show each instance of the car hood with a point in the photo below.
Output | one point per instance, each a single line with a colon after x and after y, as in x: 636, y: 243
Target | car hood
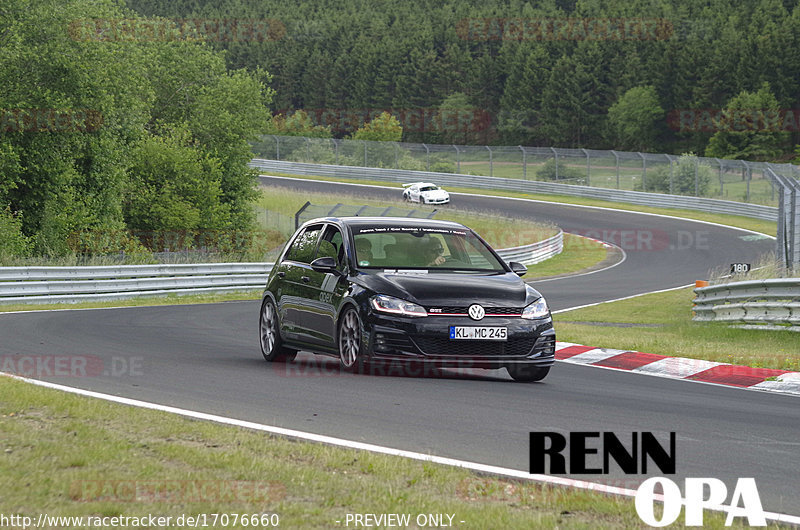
x: 437, y: 194
x: 452, y: 289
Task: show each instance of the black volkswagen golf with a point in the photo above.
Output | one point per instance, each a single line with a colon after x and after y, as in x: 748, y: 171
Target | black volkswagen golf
x: 402, y: 290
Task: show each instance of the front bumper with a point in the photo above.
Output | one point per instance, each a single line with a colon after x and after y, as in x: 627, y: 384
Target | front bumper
x: 436, y: 201
x: 530, y: 342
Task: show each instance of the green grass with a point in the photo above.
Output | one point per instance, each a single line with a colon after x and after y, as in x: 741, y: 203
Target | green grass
x: 674, y: 333
x: 68, y: 455
x: 604, y: 175
x: 500, y: 232
x: 580, y: 254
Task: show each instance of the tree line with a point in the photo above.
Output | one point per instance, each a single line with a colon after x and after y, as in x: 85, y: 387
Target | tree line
x: 643, y: 75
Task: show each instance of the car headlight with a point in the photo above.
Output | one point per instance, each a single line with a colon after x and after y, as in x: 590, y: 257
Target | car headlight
x: 537, y: 309
x: 396, y: 306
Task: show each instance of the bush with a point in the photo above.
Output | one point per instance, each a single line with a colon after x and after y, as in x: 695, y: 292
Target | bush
x: 548, y: 172
x: 683, y: 178
x: 12, y: 241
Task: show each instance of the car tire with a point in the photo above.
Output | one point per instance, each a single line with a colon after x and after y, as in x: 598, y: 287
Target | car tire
x: 269, y: 334
x: 527, y: 373
x: 350, y: 341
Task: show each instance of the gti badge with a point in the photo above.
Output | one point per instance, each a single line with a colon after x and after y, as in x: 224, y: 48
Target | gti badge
x: 476, y: 312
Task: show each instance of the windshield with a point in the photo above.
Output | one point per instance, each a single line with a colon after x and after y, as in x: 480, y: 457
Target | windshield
x: 399, y: 247
x: 429, y: 188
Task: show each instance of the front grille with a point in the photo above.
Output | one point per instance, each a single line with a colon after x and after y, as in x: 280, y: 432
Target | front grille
x: 458, y: 310
x: 473, y: 348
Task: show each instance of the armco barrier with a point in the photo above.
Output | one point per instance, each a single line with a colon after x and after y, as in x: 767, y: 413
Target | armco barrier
x: 31, y: 285
x: 771, y: 302
x: 757, y: 211
x: 536, y: 252
x: 24, y: 285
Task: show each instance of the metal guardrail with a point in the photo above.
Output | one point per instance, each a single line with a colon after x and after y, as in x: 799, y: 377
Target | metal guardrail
x: 23, y: 285
x: 768, y: 213
x: 536, y: 252
x: 764, y: 302
x: 31, y: 285
x: 788, y: 240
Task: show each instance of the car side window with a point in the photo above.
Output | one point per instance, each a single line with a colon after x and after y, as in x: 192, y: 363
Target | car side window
x: 332, y: 245
x: 305, y: 245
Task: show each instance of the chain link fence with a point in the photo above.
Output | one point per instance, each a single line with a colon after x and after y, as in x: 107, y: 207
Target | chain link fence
x: 735, y: 180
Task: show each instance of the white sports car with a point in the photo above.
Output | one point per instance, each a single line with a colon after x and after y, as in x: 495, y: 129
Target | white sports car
x: 425, y: 193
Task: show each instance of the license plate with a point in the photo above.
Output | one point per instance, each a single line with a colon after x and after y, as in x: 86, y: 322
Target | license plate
x: 478, y: 333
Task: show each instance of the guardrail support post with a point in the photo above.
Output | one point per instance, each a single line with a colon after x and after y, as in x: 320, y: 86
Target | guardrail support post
x: 490, y: 161
x: 616, y: 156
x: 749, y: 178
x: 365, y: 153
x: 696, y: 177
x: 671, y: 175
x: 644, y: 172
x: 588, y: 167
x: 277, y: 147
x: 458, y: 159
x: 524, y: 163
x: 555, y: 156
x: 427, y: 157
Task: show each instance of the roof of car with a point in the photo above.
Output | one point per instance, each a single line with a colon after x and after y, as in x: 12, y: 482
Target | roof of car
x: 420, y: 184
x: 391, y: 221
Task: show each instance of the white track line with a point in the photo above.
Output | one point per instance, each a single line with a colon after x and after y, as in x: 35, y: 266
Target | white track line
x: 349, y: 444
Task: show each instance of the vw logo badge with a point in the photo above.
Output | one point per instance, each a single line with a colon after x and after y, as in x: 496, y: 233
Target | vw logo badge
x: 476, y: 312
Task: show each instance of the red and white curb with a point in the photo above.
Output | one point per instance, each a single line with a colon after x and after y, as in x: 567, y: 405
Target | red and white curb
x: 681, y: 368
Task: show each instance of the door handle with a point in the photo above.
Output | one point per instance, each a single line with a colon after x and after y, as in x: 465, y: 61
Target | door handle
x: 305, y: 279
x: 281, y: 274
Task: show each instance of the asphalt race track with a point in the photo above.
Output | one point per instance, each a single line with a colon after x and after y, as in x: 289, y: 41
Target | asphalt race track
x: 206, y: 358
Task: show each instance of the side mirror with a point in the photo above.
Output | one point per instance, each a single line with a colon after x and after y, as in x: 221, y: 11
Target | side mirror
x: 325, y: 264
x: 518, y: 268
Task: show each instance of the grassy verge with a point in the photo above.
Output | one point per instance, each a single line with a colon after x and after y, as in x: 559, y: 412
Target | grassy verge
x: 144, y: 301
x: 580, y: 254
x: 500, y: 232
x: 662, y: 325
x: 68, y: 455
x: 757, y: 225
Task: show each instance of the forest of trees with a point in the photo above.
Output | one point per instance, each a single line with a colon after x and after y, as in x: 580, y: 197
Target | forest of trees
x: 559, y: 72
